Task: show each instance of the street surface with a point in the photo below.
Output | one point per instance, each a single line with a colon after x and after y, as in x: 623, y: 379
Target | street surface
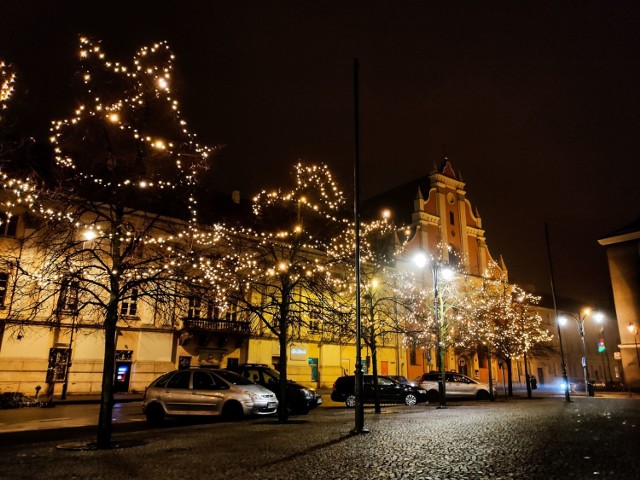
x: 541, y: 438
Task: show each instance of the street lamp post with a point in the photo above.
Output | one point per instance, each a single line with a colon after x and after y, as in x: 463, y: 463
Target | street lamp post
x: 633, y: 329
x: 580, y: 318
x: 421, y: 261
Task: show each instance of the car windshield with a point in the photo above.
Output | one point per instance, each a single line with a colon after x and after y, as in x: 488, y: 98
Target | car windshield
x: 233, y: 378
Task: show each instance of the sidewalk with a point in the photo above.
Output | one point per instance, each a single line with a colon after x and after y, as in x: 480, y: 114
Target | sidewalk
x: 76, y: 399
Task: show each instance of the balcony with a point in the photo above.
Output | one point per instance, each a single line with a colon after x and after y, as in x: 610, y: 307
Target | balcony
x: 210, y: 326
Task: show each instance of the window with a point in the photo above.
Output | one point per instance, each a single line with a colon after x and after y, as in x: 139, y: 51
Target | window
x: 129, y: 305
x: 315, y: 324
x: 232, y: 313
x: 8, y: 225
x: 68, y: 299
x: 180, y: 380
x: 4, y: 283
x: 452, y: 219
x: 413, y: 357
x: 195, y: 307
x: 203, y: 381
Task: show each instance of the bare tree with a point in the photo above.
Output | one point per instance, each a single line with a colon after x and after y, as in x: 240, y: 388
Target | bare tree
x: 275, y: 268
x: 95, y: 254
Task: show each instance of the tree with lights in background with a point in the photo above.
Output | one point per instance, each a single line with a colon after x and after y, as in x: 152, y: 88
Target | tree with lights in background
x: 115, y: 227
x: 389, y: 297
x: 7, y: 82
x: 501, y: 318
x: 436, y: 320
x: 276, y: 269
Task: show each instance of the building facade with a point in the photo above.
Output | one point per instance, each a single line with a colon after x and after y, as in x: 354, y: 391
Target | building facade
x: 623, y: 253
x: 64, y: 348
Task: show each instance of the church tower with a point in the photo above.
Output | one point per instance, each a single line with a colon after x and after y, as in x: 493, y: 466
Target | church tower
x: 442, y: 215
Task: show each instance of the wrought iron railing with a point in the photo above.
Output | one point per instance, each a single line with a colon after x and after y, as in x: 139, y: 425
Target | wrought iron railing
x: 216, y: 326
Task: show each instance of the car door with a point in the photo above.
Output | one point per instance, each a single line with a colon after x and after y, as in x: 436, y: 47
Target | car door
x: 467, y: 386
x: 453, y: 386
x: 458, y: 386
x: 390, y: 391
x: 368, y: 394
x: 177, y: 394
x: 207, y: 395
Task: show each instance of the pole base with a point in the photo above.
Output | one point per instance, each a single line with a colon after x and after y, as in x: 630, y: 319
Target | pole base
x: 357, y: 431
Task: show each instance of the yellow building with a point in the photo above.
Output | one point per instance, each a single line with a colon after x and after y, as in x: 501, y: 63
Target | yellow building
x: 34, y: 350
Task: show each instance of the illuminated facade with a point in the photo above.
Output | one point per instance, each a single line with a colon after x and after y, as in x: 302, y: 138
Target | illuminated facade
x: 151, y: 341
x: 623, y: 253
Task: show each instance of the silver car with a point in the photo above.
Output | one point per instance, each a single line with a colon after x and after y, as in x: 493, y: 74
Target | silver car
x: 206, y: 392
x: 457, y: 386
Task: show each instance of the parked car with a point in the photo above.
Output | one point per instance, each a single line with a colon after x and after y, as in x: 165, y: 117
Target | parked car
x: 200, y: 391
x: 300, y: 399
x: 391, y: 391
x: 457, y: 386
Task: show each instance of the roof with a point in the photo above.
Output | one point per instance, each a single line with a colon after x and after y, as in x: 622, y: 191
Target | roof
x: 627, y: 233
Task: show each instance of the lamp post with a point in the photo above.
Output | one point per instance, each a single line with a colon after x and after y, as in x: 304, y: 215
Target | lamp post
x: 580, y: 318
x: 421, y: 261
x: 633, y: 329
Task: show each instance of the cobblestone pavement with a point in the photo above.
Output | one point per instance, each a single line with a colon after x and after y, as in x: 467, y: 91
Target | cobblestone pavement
x: 543, y: 438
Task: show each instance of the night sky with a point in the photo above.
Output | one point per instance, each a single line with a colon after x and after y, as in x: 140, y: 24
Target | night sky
x: 535, y: 103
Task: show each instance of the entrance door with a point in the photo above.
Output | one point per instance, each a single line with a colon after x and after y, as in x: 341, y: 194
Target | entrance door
x: 313, y: 363
x: 540, y: 376
x: 123, y: 377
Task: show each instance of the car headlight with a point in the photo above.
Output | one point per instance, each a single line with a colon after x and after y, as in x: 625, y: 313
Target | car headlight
x: 251, y: 394
x: 308, y: 393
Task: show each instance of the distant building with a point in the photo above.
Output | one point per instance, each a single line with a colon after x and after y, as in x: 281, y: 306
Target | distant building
x: 623, y: 253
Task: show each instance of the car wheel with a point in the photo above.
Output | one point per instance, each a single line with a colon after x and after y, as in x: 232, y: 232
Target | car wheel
x: 154, y: 414
x: 433, y: 396
x: 232, y: 411
x: 483, y: 395
x: 410, y: 399
x: 351, y: 401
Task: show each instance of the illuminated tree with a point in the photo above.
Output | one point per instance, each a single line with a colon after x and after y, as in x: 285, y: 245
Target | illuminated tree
x: 388, y: 296
x: 7, y: 81
x: 98, y: 252
x: 437, y: 320
x: 502, y: 318
x: 276, y: 269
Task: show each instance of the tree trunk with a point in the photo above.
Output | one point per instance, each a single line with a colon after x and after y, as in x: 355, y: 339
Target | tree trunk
x: 507, y: 360
x: 110, y: 336
x: 490, y: 374
x: 108, y: 370
x: 283, y: 410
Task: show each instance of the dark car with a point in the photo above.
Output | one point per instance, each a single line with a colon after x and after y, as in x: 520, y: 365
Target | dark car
x: 391, y: 391
x: 300, y: 399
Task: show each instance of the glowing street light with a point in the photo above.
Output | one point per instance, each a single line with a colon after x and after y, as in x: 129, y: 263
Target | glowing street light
x: 580, y: 318
x: 421, y: 260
